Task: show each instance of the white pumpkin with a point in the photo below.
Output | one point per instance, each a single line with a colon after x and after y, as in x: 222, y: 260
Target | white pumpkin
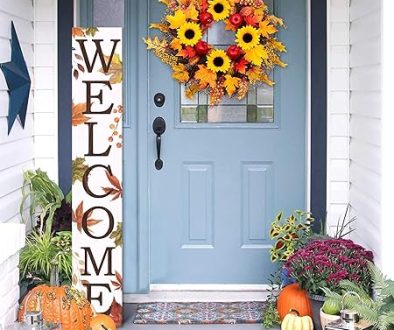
x: 293, y: 321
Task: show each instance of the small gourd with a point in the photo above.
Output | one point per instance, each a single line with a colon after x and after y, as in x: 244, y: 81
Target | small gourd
x: 102, y: 321
x: 293, y: 321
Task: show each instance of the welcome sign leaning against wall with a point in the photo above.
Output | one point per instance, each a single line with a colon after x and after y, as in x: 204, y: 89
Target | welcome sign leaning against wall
x: 97, y: 167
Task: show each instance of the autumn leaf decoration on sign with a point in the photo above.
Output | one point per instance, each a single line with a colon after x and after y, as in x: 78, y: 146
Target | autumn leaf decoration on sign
x: 219, y: 71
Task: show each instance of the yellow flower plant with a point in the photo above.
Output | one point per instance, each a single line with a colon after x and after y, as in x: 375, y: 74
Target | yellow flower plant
x: 248, y: 37
x: 189, y: 34
x: 218, y: 70
x: 218, y: 61
x: 219, y: 9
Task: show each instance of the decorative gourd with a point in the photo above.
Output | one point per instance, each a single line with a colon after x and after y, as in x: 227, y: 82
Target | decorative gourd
x: 293, y: 321
x: 59, y: 304
x: 102, y: 322
x: 292, y: 297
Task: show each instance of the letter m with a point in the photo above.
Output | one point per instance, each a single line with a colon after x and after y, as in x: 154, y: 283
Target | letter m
x: 97, y: 269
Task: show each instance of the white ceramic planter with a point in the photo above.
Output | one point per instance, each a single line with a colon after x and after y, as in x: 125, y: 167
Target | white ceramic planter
x: 327, y: 318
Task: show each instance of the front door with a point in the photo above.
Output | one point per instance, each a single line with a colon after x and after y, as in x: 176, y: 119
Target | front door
x: 227, y: 169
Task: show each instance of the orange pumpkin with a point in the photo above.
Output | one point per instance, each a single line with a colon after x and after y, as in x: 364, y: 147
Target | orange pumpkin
x: 292, y: 297
x: 102, y: 322
x: 59, y: 305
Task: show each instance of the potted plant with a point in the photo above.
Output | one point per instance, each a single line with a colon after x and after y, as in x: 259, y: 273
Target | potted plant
x: 288, y: 235
x: 378, y: 308
x: 48, y: 247
x: 324, y: 264
x: 46, y: 260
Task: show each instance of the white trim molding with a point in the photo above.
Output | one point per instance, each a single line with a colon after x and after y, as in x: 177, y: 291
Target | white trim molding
x: 201, y: 292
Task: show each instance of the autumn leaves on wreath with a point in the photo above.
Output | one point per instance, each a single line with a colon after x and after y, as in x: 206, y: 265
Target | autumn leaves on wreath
x: 218, y: 71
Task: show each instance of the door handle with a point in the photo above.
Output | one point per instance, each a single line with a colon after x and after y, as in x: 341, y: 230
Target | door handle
x: 159, y: 127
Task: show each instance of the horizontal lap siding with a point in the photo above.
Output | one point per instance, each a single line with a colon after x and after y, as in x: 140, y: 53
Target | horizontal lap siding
x: 338, y: 111
x: 16, y: 152
x: 16, y: 149
x: 365, y: 121
x: 36, y: 144
x: 45, y: 105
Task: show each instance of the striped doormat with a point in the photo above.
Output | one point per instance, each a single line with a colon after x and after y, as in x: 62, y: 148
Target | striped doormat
x: 199, y: 313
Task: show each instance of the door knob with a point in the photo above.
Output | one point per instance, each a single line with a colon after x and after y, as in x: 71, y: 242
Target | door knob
x: 159, y: 127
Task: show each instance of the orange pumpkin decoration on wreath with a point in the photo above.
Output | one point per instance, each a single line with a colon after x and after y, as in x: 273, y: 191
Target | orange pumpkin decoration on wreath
x: 102, y: 322
x: 292, y: 297
x: 58, y: 305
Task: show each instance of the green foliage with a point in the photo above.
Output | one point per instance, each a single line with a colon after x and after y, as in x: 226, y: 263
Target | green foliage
x: 42, y: 253
x: 45, y: 198
x: 377, y: 310
x: 344, y: 226
x: 270, y: 313
x: 290, y: 234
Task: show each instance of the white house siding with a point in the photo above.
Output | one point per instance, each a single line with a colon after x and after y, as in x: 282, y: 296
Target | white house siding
x: 16, y: 154
x: 34, y: 146
x: 387, y: 137
x: 354, y: 118
x: 365, y: 121
x: 45, y: 100
x: 338, y: 110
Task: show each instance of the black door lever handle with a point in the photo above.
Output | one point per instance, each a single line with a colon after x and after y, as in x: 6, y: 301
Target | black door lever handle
x: 159, y: 127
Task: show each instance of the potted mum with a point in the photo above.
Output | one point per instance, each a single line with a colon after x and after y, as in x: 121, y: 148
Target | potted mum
x: 325, y: 263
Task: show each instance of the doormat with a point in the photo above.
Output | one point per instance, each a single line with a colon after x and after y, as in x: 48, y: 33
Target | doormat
x: 199, y: 313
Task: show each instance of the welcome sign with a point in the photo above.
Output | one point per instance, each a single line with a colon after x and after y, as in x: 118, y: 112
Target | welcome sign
x: 97, y: 167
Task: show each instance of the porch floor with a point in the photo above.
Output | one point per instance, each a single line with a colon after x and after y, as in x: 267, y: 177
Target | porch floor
x: 130, y: 311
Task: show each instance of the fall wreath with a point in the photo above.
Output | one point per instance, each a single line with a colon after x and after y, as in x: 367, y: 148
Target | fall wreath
x: 217, y: 71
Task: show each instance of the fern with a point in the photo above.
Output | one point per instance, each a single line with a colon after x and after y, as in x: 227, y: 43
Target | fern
x: 349, y: 286
x: 379, y: 310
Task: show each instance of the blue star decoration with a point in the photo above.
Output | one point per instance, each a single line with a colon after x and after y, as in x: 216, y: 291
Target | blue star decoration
x: 18, y: 82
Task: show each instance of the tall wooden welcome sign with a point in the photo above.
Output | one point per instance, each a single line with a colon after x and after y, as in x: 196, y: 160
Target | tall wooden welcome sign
x: 97, y: 167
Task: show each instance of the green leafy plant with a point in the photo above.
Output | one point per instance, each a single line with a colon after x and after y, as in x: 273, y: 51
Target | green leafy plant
x: 343, y: 227
x: 270, y: 313
x: 378, y: 309
x: 45, y: 198
x: 45, y: 252
x: 289, y: 234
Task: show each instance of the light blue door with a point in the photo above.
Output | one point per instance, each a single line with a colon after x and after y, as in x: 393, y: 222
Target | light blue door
x: 226, y: 170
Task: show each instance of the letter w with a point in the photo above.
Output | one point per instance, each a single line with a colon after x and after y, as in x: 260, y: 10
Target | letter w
x: 99, y: 52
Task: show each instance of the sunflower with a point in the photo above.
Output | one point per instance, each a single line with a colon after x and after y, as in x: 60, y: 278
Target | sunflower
x: 218, y: 61
x: 220, y: 9
x: 189, y: 33
x: 247, y: 37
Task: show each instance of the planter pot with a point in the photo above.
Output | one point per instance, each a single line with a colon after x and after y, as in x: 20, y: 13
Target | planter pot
x: 327, y: 318
x: 316, y: 304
